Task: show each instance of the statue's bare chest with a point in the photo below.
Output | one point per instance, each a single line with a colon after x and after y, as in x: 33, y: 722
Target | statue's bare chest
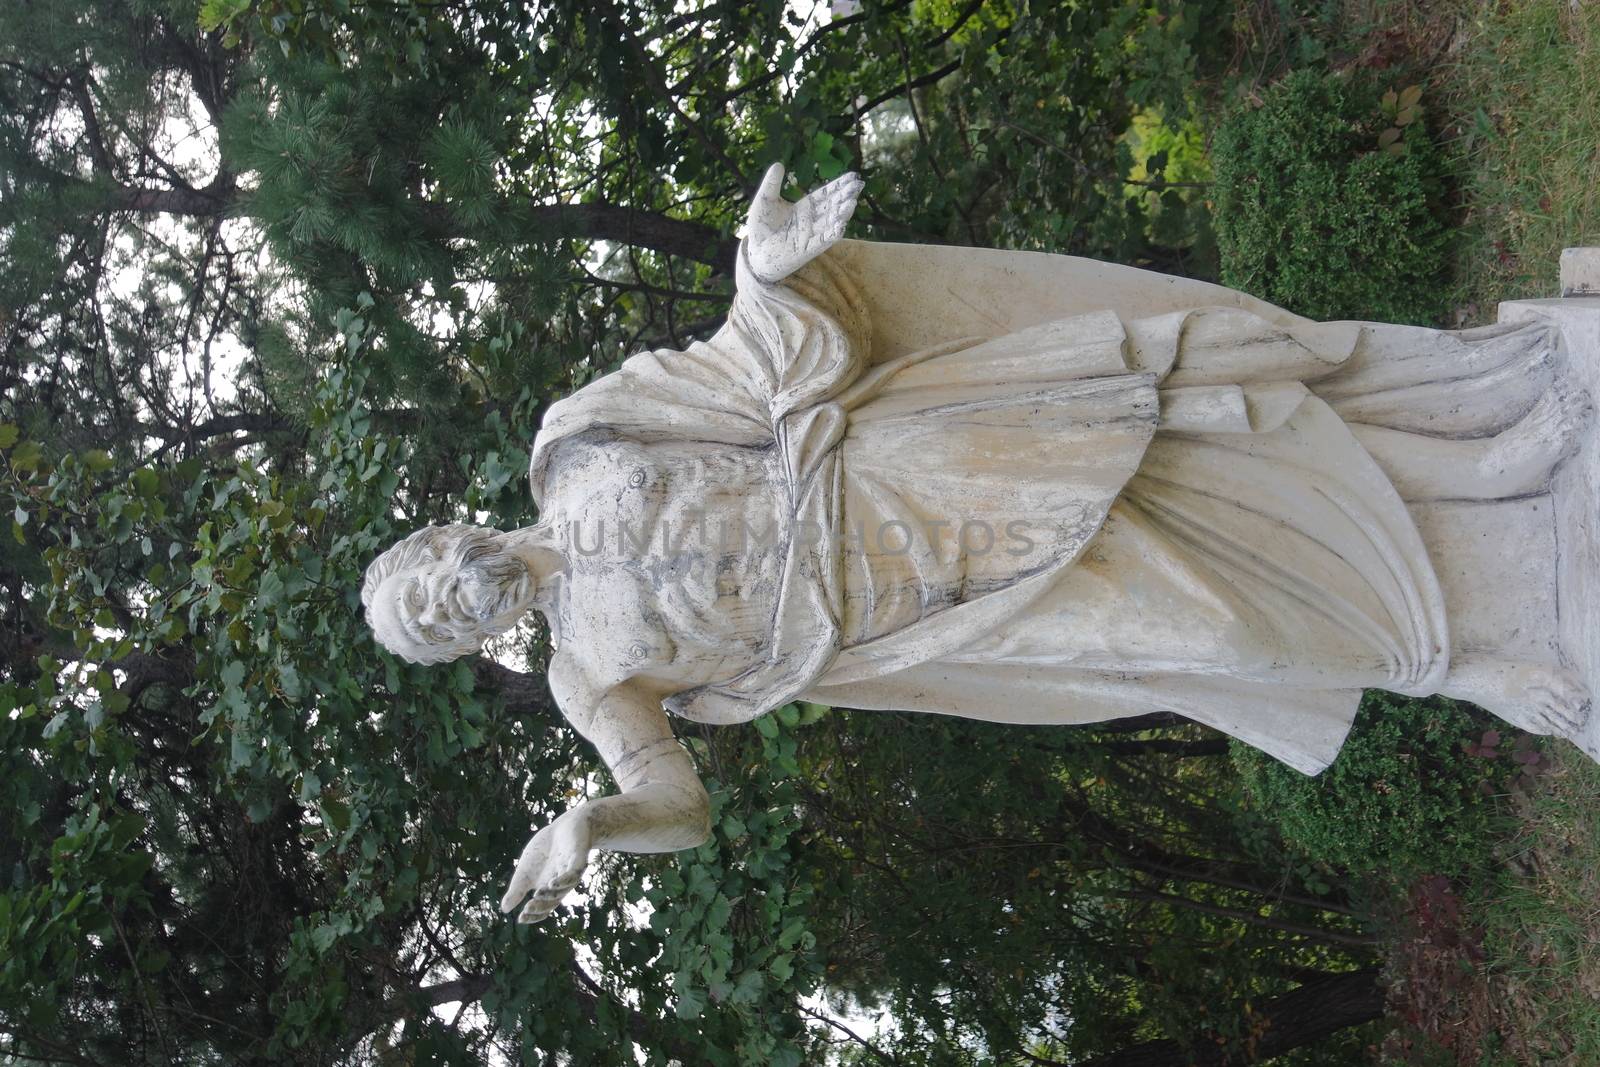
x: 674, y: 556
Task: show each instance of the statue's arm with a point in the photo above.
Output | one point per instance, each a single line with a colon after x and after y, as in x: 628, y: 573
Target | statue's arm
x: 662, y: 806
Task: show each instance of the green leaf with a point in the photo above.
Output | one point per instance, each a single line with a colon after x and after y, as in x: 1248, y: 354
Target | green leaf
x: 337, y: 813
x: 26, y: 456
x: 232, y: 674
x: 221, y: 14
x: 8, y: 434
x: 691, y: 1003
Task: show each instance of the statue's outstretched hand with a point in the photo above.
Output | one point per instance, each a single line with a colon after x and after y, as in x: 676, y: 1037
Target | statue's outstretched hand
x: 550, y: 865
x: 781, y: 237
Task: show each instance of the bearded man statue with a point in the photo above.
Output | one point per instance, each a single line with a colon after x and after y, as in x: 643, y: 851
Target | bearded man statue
x: 1016, y: 487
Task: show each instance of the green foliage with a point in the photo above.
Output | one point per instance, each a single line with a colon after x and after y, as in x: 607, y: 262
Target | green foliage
x: 734, y: 916
x: 1414, y: 791
x: 975, y: 886
x: 1329, y: 202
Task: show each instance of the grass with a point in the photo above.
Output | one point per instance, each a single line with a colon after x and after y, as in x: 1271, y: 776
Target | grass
x: 1523, y: 93
x: 1541, y: 920
x: 1519, y: 85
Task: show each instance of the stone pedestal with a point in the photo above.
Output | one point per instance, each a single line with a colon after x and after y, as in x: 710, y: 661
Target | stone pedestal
x: 1580, y: 272
x: 1574, y: 496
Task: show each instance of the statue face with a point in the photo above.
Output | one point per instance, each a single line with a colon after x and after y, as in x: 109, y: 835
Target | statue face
x: 462, y: 588
x: 421, y: 611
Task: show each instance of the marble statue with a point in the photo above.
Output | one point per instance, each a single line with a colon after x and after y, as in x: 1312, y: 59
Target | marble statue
x: 1024, y: 488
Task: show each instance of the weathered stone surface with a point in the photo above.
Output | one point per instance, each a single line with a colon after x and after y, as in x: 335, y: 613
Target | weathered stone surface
x: 1575, y: 503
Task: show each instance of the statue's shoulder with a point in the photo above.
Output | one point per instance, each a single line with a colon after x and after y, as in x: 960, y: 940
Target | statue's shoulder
x: 593, y: 470
x: 593, y: 455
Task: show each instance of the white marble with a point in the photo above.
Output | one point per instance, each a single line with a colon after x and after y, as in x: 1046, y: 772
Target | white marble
x: 1034, y: 489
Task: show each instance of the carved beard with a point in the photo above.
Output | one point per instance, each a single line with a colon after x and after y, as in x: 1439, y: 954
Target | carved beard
x: 495, y: 582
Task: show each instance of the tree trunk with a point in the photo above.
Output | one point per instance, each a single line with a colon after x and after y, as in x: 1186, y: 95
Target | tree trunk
x: 1318, y: 1008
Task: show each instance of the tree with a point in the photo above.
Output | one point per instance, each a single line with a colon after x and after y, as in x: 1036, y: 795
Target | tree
x: 283, y: 280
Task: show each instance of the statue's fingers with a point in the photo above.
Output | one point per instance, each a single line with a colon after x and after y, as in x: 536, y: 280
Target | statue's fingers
x: 536, y: 911
x: 771, y: 187
x: 842, y: 199
x: 562, y: 879
x: 515, y: 892
x: 1549, y: 711
x: 545, y: 899
x: 843, y: 181
x: 848, y: 186
x: 525, y: 877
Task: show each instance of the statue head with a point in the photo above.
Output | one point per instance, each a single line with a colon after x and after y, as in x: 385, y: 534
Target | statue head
x: 440, y: 593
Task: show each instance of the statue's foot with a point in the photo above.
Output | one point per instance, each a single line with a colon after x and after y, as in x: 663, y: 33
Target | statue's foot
x: 1531, y: 697
x: 1521, y: 459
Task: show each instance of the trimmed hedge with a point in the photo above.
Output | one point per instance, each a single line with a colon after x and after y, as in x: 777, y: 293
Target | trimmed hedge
x: 1329, y: 202
x: 1411, y: 793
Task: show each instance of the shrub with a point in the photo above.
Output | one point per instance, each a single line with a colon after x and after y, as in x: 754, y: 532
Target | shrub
x: 1328, y: 201
x: 1411, y: 793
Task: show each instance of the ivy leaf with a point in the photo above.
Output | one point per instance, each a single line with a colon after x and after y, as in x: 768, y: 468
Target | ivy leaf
x: 337, y: 813
x: 26, y: 457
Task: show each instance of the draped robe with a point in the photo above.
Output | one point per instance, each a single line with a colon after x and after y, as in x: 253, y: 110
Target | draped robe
x: 1155, y: 438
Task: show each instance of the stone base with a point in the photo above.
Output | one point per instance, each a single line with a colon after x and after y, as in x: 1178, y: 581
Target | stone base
x: 1496, y: 562
x: 1575, y: 494
x: 1580, y: 272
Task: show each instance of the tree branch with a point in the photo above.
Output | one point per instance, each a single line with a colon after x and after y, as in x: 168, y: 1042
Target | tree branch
x: 465, y: 989
x: 916, y: 83
x: 811, y: 42
x: 885, y: 1057
x: 961, y: 20
x: 79, y: 87
x: 624, y: 225
x: 1253, y: 918
x: 211, y: 201
x: 1211, y: 746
